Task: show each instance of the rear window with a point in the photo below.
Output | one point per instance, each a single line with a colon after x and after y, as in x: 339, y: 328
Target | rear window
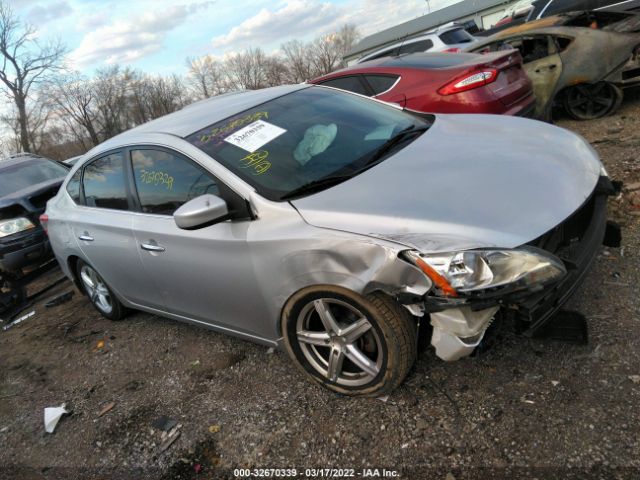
x: 453, y: 37
x: 104, y: 183
x: 381, y: 83
x: 350, y: 84
x: 16, y: 177
x: 73, y: 186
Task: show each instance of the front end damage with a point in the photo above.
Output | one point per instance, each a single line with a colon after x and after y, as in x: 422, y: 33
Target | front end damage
x: 460, y: 321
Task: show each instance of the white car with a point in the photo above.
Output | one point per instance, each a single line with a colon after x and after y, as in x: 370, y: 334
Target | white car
x: 447, y: 39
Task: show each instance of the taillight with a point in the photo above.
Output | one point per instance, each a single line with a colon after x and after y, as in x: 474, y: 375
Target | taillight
x: 44, y: 221
x: 470, y: 81
x: 452, y: 50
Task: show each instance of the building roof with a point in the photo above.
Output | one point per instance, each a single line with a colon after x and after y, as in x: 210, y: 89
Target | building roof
x: 423, y: 23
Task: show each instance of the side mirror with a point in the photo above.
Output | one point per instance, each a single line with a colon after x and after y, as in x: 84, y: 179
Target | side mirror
x: 200, y: 212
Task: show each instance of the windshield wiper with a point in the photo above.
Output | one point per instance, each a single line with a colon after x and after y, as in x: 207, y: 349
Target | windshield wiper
x: 394, y: 141
x: 317, y: 185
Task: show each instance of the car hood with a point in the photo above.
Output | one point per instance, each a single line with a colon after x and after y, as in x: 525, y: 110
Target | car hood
x: 470, y: 181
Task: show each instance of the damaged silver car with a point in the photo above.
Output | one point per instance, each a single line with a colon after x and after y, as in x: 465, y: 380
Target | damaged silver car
x: 334, y: 226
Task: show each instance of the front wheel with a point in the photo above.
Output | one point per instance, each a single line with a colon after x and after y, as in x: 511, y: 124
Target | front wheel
x: 99, y: 293
x: 591, y: 101
x: 354, y: 345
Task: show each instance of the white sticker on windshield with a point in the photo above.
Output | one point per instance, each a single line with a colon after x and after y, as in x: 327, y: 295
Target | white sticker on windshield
x: 254, y: 135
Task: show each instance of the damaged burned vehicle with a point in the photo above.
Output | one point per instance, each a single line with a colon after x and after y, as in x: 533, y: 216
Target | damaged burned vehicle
x: 579, y: 61
x: 334, y: 226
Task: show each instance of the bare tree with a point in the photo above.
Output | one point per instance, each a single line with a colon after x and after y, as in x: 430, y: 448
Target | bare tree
x: 206, y: 76
x: 328, y: 50
x: 112, y: 88
x: 74, y: 96
x: 25, y: 63
x: 299, y: 61
x: 245, y: 70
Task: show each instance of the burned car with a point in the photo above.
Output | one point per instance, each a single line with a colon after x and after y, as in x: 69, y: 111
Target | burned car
x: 334, y: 226
x: 27, y: 182
x: 584, y: 69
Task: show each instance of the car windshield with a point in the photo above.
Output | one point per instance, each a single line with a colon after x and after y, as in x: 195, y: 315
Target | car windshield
x: 305, y: 137
x: 21, y: 175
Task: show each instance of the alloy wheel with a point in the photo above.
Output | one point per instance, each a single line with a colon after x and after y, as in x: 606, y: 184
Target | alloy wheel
x: 96, y: 289
x: 339, y: 342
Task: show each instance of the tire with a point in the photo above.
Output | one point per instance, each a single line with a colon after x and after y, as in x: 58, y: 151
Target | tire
x: 590, y: 101
x: 101, y: 297
x: 353, y: 345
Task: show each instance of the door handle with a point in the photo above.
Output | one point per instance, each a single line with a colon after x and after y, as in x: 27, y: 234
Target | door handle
x: 86, y: 238
x: 546, y: 67
x: 152, y: 248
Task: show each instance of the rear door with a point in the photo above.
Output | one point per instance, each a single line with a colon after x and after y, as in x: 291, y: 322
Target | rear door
x: 102, y: 227
x: 204, y: 274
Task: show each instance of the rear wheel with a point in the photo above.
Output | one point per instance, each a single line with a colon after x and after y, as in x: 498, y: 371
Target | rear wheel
x: 348, y: 343
x: 590, y: 101
x: 99, y: 293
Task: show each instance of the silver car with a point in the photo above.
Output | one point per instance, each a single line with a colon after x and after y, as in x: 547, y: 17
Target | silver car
x: 334, y: 226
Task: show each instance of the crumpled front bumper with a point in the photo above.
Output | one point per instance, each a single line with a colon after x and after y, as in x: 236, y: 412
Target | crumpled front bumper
x: 459, y: 325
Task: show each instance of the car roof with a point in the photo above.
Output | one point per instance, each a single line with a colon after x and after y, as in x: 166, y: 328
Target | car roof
x: 199, y: 115
x: 19, y: 158
x: 421, y: 60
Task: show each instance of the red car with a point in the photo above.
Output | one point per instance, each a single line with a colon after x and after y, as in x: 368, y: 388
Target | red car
x: 442, y: 82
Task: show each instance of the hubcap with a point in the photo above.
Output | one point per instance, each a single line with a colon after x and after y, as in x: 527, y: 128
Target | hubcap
x: 96, y: 289
x: 339, y: 342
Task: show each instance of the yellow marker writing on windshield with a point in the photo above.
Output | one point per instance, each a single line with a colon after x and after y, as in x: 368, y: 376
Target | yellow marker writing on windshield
x: 257, y: 161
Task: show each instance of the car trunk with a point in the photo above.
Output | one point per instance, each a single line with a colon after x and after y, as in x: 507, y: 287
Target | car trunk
x: 512, y: 84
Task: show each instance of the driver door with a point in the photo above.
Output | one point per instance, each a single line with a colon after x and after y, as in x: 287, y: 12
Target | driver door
x: 204, y: 275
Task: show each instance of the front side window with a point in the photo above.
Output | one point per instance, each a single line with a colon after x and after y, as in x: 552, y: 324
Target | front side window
x: 308, y: 136
x: 165, y: 181
x: 104, y: 183
x: 73, y: 186
x: 350, y: 84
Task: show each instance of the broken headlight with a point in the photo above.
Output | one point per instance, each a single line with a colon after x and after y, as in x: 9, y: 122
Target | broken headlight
x: 15, y: 225
x: 476, y: 270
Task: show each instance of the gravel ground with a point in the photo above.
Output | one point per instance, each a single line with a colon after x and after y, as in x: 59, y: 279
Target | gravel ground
x: 525, y: 408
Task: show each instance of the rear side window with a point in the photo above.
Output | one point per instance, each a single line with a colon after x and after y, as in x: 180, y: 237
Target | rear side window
x: 453, y: 37
x: 73, y: 186
x: 165, y: 181
x: 416, y: 47
x: 104, y: 183
x: 380, y: 83
x: 350, y: 84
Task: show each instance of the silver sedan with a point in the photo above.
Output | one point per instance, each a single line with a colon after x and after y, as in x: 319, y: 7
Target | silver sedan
x: 335, y: 226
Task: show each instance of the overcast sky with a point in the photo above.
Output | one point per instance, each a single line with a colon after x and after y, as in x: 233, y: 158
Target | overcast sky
x: 157, y: 35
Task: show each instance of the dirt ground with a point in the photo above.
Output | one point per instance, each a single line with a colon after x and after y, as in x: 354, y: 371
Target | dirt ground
x: 525, y: 408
